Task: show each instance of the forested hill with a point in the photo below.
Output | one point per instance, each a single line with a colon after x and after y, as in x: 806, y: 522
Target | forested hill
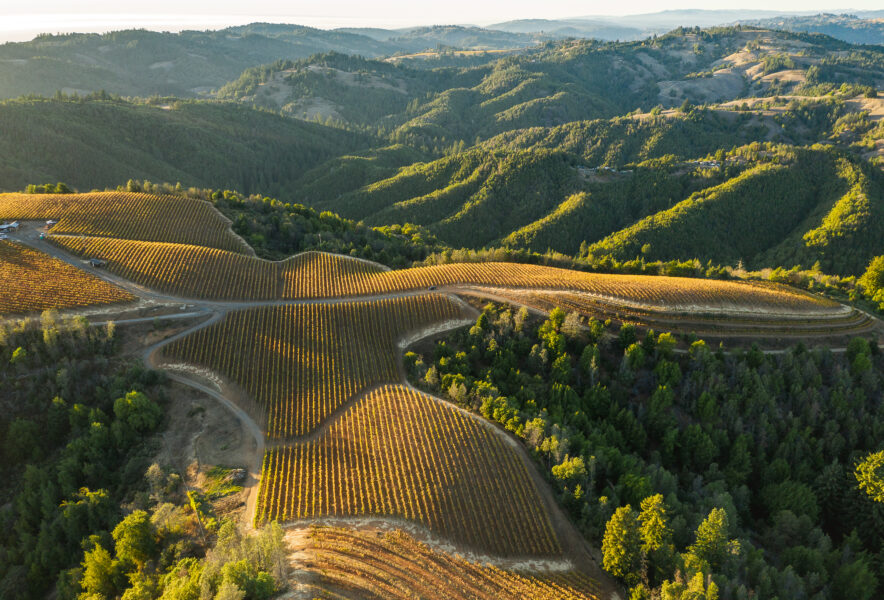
x: 558, y: 83
x: 610, y: 149
x: 193, y: 63
x: 101, y: 142
x: 850, y: 28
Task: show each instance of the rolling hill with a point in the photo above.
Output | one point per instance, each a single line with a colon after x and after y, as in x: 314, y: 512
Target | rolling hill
x: 101, y: 142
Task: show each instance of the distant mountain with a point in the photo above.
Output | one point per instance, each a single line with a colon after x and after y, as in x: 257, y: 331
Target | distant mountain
x: 192, y: 63
x: 859, y: 27
x: 850, y: 28
x: 553, y: 84
x: 580, y: 28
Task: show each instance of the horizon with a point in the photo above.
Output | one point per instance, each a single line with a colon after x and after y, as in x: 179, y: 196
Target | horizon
x: 23, y: 27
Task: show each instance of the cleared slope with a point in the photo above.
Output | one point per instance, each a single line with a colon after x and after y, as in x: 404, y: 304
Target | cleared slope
x: 399, y: 453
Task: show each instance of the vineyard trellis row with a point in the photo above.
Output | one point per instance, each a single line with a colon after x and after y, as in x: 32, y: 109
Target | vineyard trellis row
x: 399, y: 453
x: 127, y: 215
x: 199, y: 272
x: 299, y: 363
x: 396, y: 566
x: 34, y: 281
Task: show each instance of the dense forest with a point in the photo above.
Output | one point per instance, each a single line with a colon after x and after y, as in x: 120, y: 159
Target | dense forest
x: 706, y: 473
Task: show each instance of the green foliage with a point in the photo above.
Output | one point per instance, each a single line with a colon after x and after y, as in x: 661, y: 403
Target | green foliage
x: 135, y: 539
x: 93, y: 143
x: 749, y: 450
x: 711, y: 545
x: 621, y: 545
x: 654, y: 524
x: 872, y: 280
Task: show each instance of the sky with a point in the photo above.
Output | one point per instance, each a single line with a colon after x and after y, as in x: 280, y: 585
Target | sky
x: 23, y: 20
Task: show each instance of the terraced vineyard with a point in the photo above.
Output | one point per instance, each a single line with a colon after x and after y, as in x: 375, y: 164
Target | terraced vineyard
x: 300, y: 363
x: 33, y: 282
x: 126, y: 215
x: 400, y: 453
x: 345, y: 563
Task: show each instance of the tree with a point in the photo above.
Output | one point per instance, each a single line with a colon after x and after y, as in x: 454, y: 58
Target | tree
x: 870, y: 475
x: 873, y: 279
x: 711, y: 546
x: 654, y: 526
x: 135, y: 539
x: 138, y: 411
x: 621, y: 545
x: 19, y: 356
x: 229, y: 591
x: 98, y: 573
x: 570, y: 469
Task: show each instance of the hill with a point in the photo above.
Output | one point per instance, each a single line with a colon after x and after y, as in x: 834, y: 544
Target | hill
x: 863, y: 27
x: 556, y: 83
x: 101, y: 141
x: 817, y: 207
x: 852, y: 28
x: 193, y: 63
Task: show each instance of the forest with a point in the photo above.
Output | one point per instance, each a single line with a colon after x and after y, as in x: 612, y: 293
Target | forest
x: 710, y: 473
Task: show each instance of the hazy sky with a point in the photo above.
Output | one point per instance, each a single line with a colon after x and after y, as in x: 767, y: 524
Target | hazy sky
x: 22, y: 20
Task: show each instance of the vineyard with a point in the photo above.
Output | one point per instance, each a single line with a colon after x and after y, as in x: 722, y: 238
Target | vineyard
x: 316, y: 274
x: 33, y: 282
x: 398, y: 567
x: 299, y: 363
x: 399, y: 453
x: 127, y: 215
x: 180, y: 269
x: 198, y: 272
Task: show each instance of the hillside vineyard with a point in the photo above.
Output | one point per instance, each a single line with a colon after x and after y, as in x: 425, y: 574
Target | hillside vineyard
x: 399, y: 453
x: 397, y: 566
x: 298, y: 364
x: 197, y: 272
x: 33, y: 281
x: 133, y: 216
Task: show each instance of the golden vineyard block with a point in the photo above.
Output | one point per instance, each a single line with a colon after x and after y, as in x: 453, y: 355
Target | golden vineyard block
x: 197, y: 272
x: 135, y: 216
x: 399, y: 453
x: 299, y: 363
x: 396, y: 566
x: 181, y: 269
x: 33, y: 282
